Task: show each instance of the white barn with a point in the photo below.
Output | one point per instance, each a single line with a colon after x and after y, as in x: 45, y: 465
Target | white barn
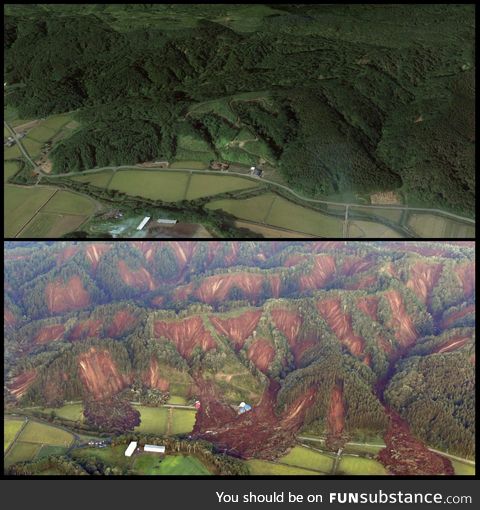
x: 130, y: 449
x: 143, y: 223
x: 154, y: 448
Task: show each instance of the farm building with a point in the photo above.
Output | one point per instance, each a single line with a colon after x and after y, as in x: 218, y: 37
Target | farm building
x: 166, y: 222
x: 130, y: 449
x: 154, y: 448
x: 243, y: 408
x: 143, y: 222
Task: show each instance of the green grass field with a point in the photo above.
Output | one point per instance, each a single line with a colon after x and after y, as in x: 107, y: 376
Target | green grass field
x: 51, y: 225
x: 252, y: 209
x: 47, y: 450
x: 154, y: 420
x: 152, y: 464
x: 11, y: 152
x: 194, y: 165
x: 21, y: 452
x: 295, y: 217
x: 349, y: 465
x: 112, y: 455
x: 11, y: 427
x: 66, y: 202
x: 176, y: 399
x: 183, y: 421
x: 41, y: 133
x: 41, y: 433
x: 309, y: 459
x: 10, y: 168
x: 360, y: 228
x: 72, y: 412
x: 166, y: 186
x: 431, y: 225
x: 463, y: 469
x: 55, y: 122
x: 205, y: 185
x: 32, y: 147
x: 262, y: 467
x: 20, y: 206
x: 101, y: 179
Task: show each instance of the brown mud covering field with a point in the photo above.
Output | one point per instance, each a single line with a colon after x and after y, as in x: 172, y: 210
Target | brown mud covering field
x: 152, y: 377
x: 122, y: 321
x: 322, y: 272
x: 405, y: 455
x: 401, y: 322
x: 259, y: 433
x: 86, y: 329
x: 261, y: 354
x: 22, y: 382
x: 336, y: 418
x: 139, y: 278
x: 49, y: 334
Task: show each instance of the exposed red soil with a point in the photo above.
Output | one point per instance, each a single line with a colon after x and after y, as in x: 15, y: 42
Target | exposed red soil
x: 139, y: 278
x: 153, y: 379
x: 354, y: 265
x: 453, y: 317
x: 261, y: 353
x: 423, y: 278
x: 86, y: 329
x: 368, y: 305
x: 290, y: 324
x: 319, y: 246
x: 406, y: 455
x: 100, y: 374
x: 214, y: 289
x: 186, y: 334
x: 95, y: 251
x: 20, y: 384
x: 466, y: 274
x: 66, y: 297
x: 294, y: 260
x: 453, y: 344
x: 336, y: 413
x: 341, y: 324
x: 402, y: 324
x: 9, y: 318
x: 122, y: 321
x: 183, y: 251
x: 239, y: 328
x: 158, y: 301
x: 66, y: 254
x: 275, y: 284
x: 363, y: 283
x: 322, y: 272
x: 49, y: 334
x: 258, y: 433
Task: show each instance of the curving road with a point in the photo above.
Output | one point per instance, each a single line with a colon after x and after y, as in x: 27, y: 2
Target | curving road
x: 272, y: 183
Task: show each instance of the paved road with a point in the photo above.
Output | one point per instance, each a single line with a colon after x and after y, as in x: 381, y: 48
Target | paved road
x: 19, y: 143
x: 286, y: 188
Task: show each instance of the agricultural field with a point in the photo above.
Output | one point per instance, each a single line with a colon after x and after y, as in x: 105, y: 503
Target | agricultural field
x: 195, y: 165
x: 73, y: 412
x: 183, y: 421
x: 151, y: 464
x: 303, y: 457
x: 263, y: 467
x: 393, y: 215
x: 154, y: 420
x: 252, y: 209
x: 20, y: 206
x: 112, y: 455
x: 166, y: 186
x: 360, y: 229
x: 295, y: 217
x: 430, y: 225
x: 269, y: 231
x: 22, y: 452
x: 205, y: 185
x: 100, y: 179
x: 350, y: 465
x: 177, y: 400
x: 463, y: 469
x: 11, y: 428
x: 41, y: 433
x: 10, y: 168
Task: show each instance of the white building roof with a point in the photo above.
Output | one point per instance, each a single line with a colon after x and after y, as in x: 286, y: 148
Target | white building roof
x: 143, y: 223
x: 130, y: 449
x: 154, y: 448
x: 168, y: 222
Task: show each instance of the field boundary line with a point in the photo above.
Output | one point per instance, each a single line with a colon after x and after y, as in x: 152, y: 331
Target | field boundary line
x: 25, y: 225
x: 14, y: 440
x: 264, y: 221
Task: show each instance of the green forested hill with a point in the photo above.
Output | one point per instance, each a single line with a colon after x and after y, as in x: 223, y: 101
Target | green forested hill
x: 347, y: 98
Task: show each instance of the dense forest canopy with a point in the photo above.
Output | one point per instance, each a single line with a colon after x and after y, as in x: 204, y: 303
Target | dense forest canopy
x: 341, y: 98
x: 351, y: 330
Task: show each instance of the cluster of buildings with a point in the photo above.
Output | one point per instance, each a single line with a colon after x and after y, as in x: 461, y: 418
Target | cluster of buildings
x: 12, y: 140
x: 255, y: 171
x: 153, y: 448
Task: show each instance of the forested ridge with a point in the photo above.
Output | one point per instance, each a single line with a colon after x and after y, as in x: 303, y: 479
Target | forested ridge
x: 328, y: 94
x: 369, y: 326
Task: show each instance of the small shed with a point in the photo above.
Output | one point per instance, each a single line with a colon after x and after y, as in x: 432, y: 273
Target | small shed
x: 154, y: 448
x: 143, y: 222
x: 243, y: 408
x: 130, y: 449
x: 164, y: 221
